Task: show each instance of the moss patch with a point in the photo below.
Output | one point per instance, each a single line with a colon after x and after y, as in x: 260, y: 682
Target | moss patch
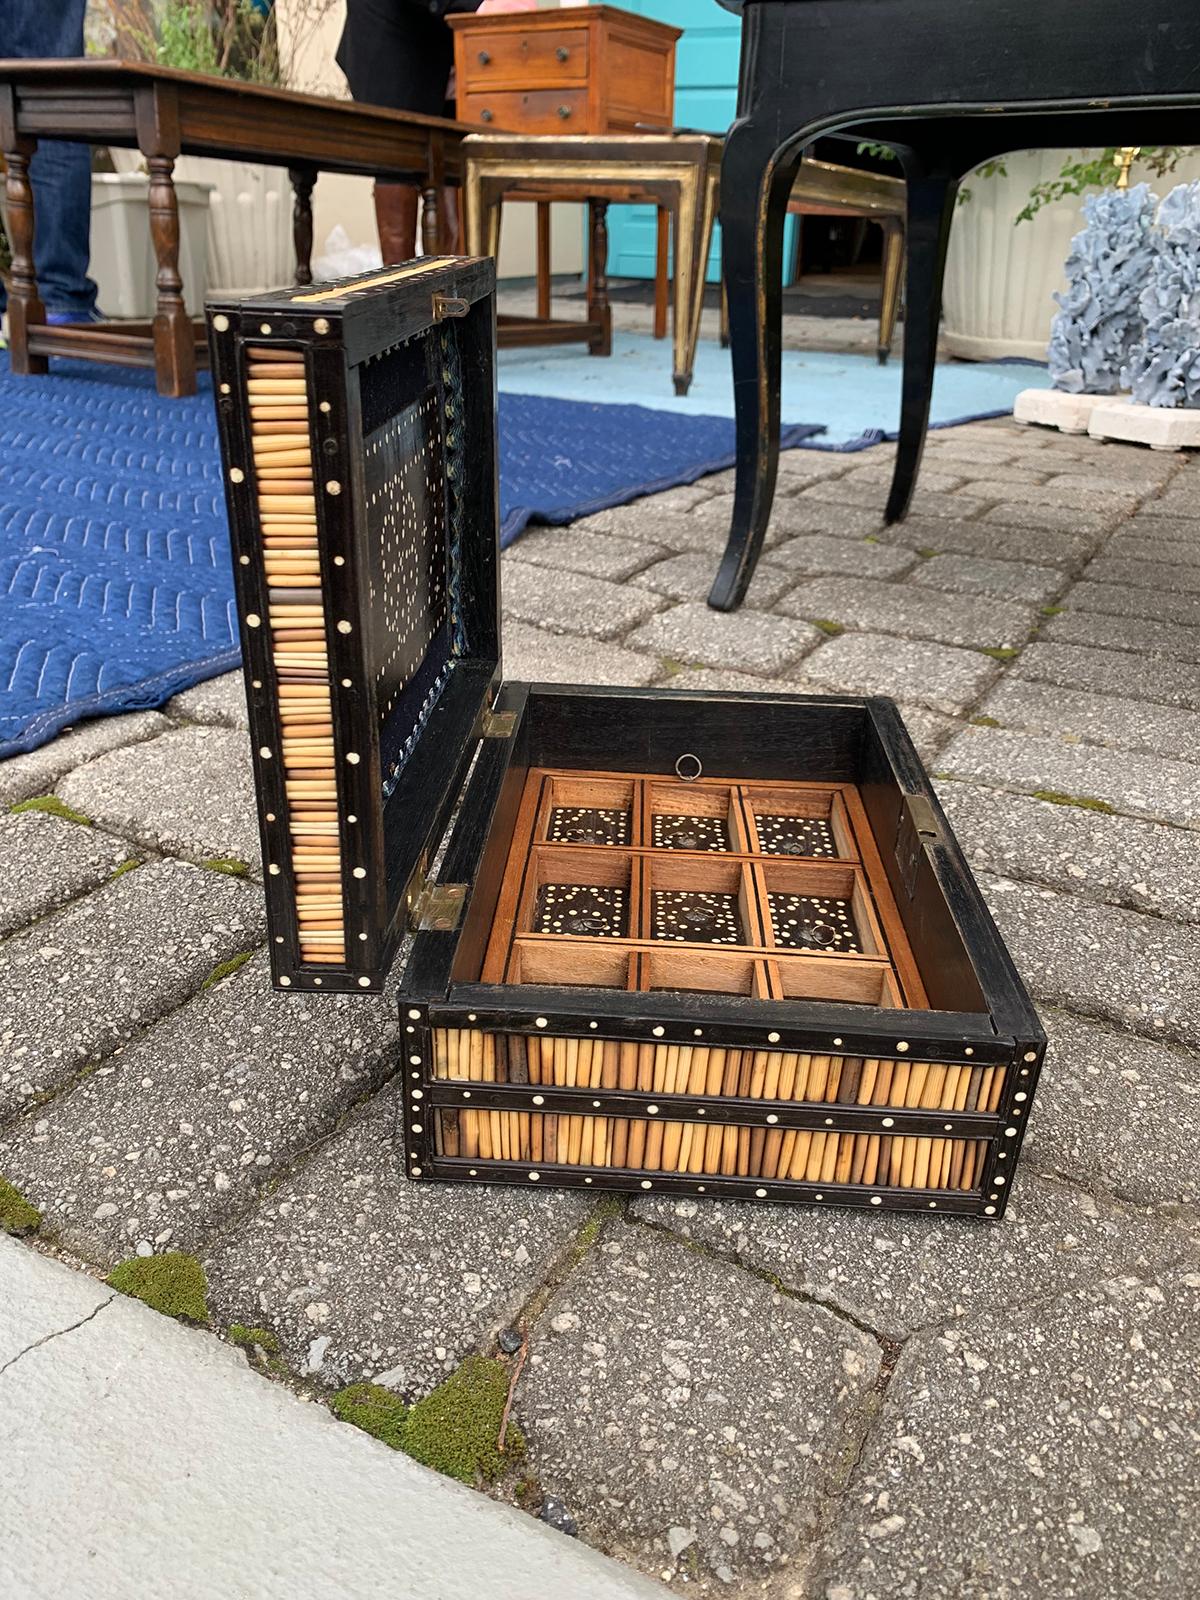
x: 17, y: 1216
x: 827, y: 625
x: 453, y: 1430
x: 1056, y: 797
x: 984, y: 722
x: 249, y: 1338
x: 126, y: 866
x: 53, y: 807
x: 999, y: 652
x: 174, y: 1283
x: 225, y: 969
x: 230, y: 865
x: 926, y: 554
x: 375, y: 1410
x: 671, y: 666
x: 1053, y: 611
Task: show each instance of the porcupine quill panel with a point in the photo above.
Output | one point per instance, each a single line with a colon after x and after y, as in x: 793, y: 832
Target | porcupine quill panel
x: 702, y: 944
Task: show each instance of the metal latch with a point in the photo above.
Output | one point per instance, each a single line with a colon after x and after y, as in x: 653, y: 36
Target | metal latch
x: 917, y: 828
x: 436, y: 907
x: 495, y: 724
x: 449, y: 305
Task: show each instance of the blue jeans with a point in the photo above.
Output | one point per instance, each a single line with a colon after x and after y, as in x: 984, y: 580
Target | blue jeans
x: 60, y: 173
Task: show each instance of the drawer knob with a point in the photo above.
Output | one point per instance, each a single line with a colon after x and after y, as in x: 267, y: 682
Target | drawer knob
x: 562, y: 53
x: 484, y: 57
x: 564, y: 112
x: 486, y: 116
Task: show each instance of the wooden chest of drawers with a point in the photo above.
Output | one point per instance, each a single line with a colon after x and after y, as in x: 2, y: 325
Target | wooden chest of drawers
x: 587, y: 69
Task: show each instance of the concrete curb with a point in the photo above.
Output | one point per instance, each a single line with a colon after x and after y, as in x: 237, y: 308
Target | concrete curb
x: 146, y: 1460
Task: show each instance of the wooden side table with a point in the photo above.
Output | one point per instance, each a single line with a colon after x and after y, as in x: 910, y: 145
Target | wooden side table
x: 676, y: 172
x: 581, y: 70
x: 956, y: 85
x: 165, y: 114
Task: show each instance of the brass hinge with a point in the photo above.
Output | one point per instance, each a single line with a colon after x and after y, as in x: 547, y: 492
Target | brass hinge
x: 496, y: 724
x: 437, y: 907
x: 449, y: 305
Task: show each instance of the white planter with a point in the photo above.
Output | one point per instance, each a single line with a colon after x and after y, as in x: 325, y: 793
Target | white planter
x: 122, y: 253
x: 1001, y: 275
x: 249, y: 221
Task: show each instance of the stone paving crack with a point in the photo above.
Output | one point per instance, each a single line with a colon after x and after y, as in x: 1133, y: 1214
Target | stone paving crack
x: 58, y: 1333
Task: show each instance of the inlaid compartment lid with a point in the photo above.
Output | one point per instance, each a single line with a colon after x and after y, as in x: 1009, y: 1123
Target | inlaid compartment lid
x: 399, y: 403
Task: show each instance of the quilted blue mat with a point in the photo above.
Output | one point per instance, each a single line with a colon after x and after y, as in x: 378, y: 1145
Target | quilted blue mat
x: 115, y: 588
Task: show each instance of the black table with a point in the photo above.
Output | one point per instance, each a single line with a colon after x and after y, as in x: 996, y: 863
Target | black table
x: 948, y: 84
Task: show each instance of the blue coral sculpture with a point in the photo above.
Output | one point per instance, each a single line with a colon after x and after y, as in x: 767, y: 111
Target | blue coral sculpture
x: 1100, y: 318
x: 1164, y: 365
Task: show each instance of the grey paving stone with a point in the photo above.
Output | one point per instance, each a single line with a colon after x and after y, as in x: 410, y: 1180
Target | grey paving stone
x: 173, y: 1137
x: 941, y: 478
x: 89, y: 977
x: 569, y: 602
x: 989, y: 541
x: 815, y: 553
x: 362, y: 1274
x: 918, y: 673
x: 1136, y: 542
x: 686, y: 495
x: 1046, y: 1454
x: 1114, y: 672
x: 1143, y: 635
x: 690, y: 577
x: 1141, y: 786
x: 1055, y: 518
x: 599, y: 555
x: 899, y: 1272
x: 1095, y: 495
x: 961, y: 505
x: 45, y: 861
x: 900, y: 608
x: 1126, y: 862
x: 1182, y: 499
x: 191, y: 793
x: 1136, y: 971
x: 679, y: 1404
x: 1098, y: 718
x: 704, y: 680
x: 1118, y: 1113
x: 1163, y: 530
x: 801, y: 515
x: 221, y: 700
x: 1011, y: 580
x: 706, y: 528
x: 1172, y: 579
x: 40, y: 770
x: 1112, y: 600
x: 809, y: 465
x: 751, y: 641
x: 532, y: 656
x: 1141, y: 474
x: 929, y: 730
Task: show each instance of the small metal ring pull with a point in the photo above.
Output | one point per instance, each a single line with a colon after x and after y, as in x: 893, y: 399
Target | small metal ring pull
x: 684, y: 772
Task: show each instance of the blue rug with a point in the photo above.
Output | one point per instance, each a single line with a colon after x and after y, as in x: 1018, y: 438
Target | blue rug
x: 115, y: 588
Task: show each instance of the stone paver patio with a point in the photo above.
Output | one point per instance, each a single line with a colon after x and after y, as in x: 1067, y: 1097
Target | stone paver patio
x: 737, y: 1400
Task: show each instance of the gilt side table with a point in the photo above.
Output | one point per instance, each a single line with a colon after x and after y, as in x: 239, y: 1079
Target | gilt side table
x: 947, y: 86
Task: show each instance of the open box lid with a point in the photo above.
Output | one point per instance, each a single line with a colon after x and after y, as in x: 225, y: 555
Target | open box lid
x: 388, y: 381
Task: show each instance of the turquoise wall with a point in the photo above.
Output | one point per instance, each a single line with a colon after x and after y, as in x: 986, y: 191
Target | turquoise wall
x: 706, y: 69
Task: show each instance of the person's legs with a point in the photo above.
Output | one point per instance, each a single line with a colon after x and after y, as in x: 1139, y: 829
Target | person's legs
x: 396, y: 218
x: 60, y: 173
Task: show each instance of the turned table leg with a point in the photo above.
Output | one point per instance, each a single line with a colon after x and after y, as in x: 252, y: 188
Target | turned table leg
x: 598, y: 308
x: 174, y: 340
x: 25, y: 309
x: 303, y: 179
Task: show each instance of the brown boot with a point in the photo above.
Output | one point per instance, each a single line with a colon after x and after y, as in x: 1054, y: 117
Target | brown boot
x: 396, y: 219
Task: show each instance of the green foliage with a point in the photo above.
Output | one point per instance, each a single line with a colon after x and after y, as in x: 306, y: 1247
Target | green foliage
x: 454, y: 1430
x: 249, y: 1338
x: 1056, y: 797
x: 174, y: 1283
x: 1100, y: 172
x: 17, y: 1216
x: 827, y: 625
x: 230, y: 865
x: 225, y: 969
x: 53, y: 807
x: 222, y: 38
